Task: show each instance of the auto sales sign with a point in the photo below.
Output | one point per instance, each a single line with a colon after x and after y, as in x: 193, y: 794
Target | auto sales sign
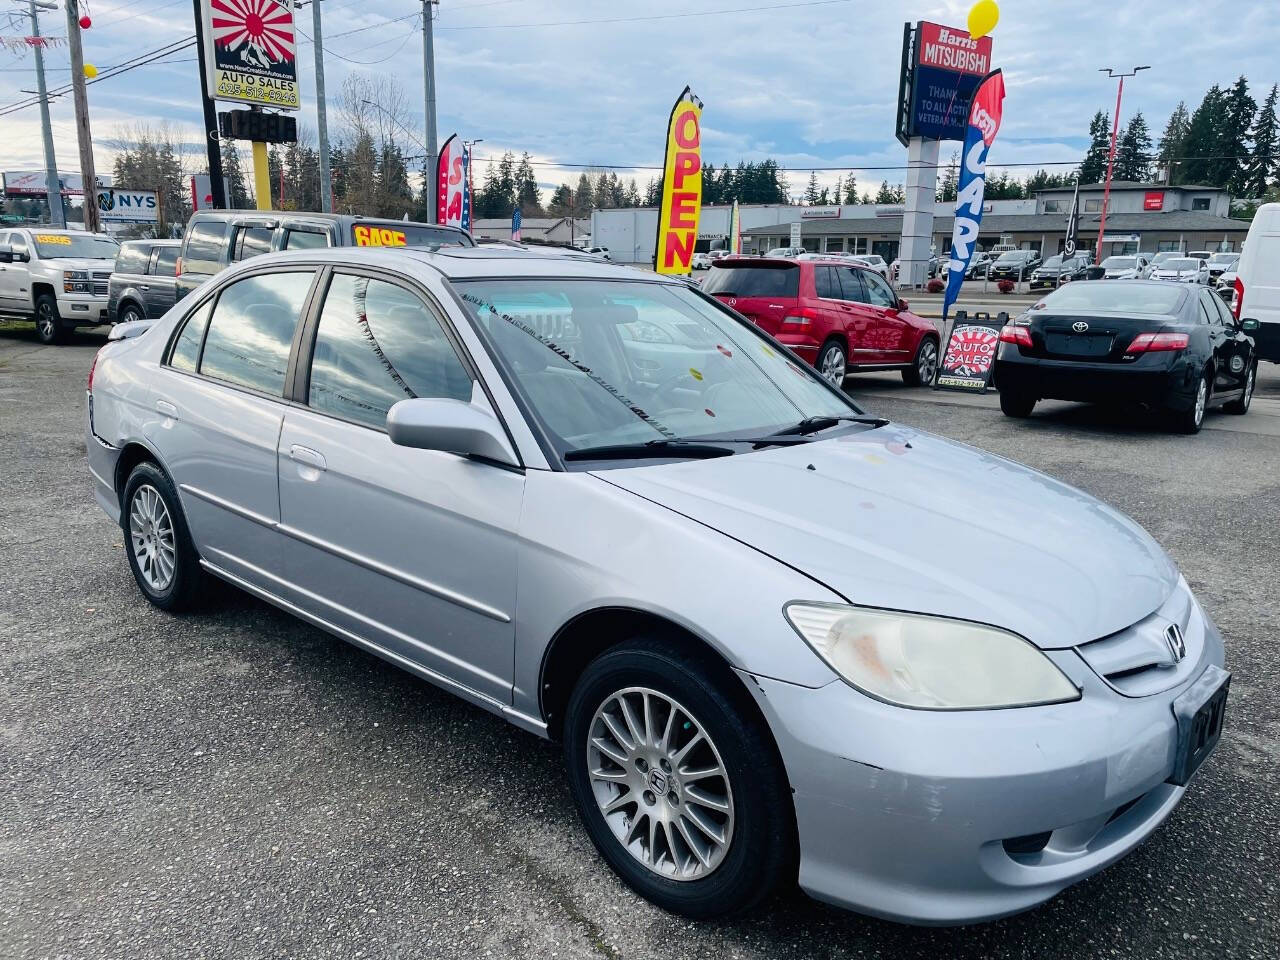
x: 250, y: 52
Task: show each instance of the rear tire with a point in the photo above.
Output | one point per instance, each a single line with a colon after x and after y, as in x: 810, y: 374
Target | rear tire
x: 756, y: 849
x: 1192, y: 419
x: 156, y: 540
x: 49, y: 326
x: 130, y: 313
x: 924, y: 366
x: 833, y: 363
x: 1241, y: 406
x: 1015, y: 403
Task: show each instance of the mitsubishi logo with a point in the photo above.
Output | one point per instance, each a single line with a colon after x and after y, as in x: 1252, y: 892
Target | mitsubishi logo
x: 1176, y: 643
x: 1079, y: 326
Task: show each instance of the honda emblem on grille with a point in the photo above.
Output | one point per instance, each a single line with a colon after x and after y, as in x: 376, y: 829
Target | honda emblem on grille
x: 1174, y: 640
x: 1079, y: 326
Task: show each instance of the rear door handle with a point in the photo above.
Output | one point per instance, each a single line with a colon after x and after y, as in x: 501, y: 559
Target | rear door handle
x: 145, y: 287
x: 307, y: 457
x: 167, y: 409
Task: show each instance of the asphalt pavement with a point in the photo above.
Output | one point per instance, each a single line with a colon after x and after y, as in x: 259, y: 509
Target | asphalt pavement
x: 237, y: 784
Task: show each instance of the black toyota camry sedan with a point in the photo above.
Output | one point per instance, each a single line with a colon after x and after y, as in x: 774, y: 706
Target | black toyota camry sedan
x: 1170, y: 347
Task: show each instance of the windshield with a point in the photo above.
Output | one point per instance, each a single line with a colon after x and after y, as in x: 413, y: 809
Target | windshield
x: 617, y: 362
x: 1013, y: 256
x: 1053, y: 262
x: 1185, y: 264
x: 1116, y: 297
x: 754, y: 280
x: 1167, y: 255
x: 402, y: 234
x: 84, y: 246
x: 1120, y: 263
x: 1223, y: 258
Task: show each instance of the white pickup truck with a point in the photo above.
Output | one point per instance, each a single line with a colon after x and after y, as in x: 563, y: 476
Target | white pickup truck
x: 58, y: 278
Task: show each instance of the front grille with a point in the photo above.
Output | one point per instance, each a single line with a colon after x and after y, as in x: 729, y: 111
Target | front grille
x: 100, y: 281
x: 1143, y: 659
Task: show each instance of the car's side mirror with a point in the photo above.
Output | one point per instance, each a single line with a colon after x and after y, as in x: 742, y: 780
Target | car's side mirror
x: 1249, y: 325
x: 6, y: 255
x: 903, y: 305
x: 451, y: 426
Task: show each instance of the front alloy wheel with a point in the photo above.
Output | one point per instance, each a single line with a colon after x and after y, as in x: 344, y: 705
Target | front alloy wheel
x: 660, y: 784
x: 48, y: 323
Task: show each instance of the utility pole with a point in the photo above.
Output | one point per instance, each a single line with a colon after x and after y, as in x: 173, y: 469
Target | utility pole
x: 53, y: 188
x: 1111, y: 155
x: 429, y: 82
x: 212, y: 145
x: 92, y: 222
x: 322, y: 123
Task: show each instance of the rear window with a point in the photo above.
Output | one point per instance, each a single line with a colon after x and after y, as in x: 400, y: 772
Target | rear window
x: 202, y: 252
x: 166, y: 261
x: 753, y: 280
x: 132, y: 258
x: 1114, y: 297
x: 404, y: 234
x: 1187, y: 264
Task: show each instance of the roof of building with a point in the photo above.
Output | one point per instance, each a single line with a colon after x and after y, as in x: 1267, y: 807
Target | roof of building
x: 1133, y: 185
x: 1184, y: 221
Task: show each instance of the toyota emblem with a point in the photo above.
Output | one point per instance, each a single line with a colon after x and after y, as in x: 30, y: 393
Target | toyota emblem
x: 1176, y: 643
x: 1079, y: 326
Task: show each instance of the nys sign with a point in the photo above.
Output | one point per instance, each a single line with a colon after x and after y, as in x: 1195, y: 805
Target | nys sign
x: 128, y: 206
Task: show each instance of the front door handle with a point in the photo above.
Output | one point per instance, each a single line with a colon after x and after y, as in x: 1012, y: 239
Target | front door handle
x: 145, y: 287
x: 307, y: 457
x: 166, y: 409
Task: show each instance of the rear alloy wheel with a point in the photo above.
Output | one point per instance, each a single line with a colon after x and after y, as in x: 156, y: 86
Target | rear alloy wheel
x: 49, y: 328
x: 1192, y: 419
x: 1241, y: 406
x: 130, y: 313
x: 677, y: 779
x: 833, y: 364
x: 1015, y: 403
x: 163, y: 560
x: 924, y: 367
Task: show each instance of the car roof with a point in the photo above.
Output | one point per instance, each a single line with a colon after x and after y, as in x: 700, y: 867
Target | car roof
x: 152, y: 242
x: 342, y: 219
x: 465, y: 263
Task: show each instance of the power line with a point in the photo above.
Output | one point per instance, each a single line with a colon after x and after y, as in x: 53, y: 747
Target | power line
x: 658, y: 16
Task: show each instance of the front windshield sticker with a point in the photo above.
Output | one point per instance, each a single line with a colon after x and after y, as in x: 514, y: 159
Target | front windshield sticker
x: 56, y: 239
x: 367, y: 236
x: 582, y: 368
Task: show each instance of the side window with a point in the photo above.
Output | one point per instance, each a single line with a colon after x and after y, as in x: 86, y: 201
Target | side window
x: 18, y: 243
x: 377, y: 344
x: 186, y: 349
x: 826, y: 283
x: 851, y: 282
x: 251, y: 241
x: 165, y: 262
x: 305, y: 240
x: 1207, y: 312
x: 878, y: 291
x: 132, y: 258
x: 251, y: 330
x: 1223, y: 311
x: 202, y: 251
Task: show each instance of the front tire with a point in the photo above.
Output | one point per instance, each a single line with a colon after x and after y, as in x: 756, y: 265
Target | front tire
x: 49, y: 327
x: 833, y: 363
x: 161, y: 555
x: 924, y: 366
x: 1016, y: 404
x: 677, y: 779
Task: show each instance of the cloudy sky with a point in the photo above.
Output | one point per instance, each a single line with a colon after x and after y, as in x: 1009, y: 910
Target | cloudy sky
x: 810, y: 83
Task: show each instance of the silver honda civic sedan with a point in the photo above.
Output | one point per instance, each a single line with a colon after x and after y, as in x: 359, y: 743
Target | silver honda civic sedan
x: 780, y: 640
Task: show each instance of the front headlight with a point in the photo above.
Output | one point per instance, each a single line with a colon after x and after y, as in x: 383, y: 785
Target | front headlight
x: 931, y: 663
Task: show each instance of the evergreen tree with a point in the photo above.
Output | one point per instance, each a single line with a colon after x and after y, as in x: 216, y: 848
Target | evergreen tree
x: 948, y: 186
x: 632, y: 197
x: 1173, y: 139
x: 811, y: 192
x: 653, y: 192
x: 1093, y: 169
x: 394, y: 195
x: 851, y: 189
x: 527, y: 197
x: 838, y: 192
x: 1263, y: 162
x: 885, y: 194
x: 584, y: 198
x: 1133, y: 152
x: 1202, y: 142
x: 561, y: 202
x: 710, y: 186
x: 1230, y: 169
x: 233, y: 177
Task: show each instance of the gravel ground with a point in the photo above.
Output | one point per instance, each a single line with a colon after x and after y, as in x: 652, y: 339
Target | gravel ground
x: 237, y: 784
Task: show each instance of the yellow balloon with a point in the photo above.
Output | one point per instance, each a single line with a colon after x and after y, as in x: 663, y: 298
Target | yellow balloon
x: 983, y: 18
x: 90, y: 70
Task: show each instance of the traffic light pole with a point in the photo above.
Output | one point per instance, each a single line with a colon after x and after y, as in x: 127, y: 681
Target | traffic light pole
x: 213, y: 147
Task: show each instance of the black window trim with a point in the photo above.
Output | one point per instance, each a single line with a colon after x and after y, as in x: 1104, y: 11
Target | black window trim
x: 152, y: 256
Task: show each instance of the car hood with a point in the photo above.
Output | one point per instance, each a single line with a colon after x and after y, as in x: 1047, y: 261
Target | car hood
x: 78, y: 263
x: 900, y: 519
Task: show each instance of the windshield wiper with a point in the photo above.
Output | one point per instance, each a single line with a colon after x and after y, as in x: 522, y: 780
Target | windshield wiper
x: 814, y: 424
x: 652, y: 449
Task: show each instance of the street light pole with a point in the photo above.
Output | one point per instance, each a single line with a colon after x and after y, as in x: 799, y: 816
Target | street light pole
x: 53, y: 188
x: 429, y: 85
x: 471, y: 180
x: 1111, y: 154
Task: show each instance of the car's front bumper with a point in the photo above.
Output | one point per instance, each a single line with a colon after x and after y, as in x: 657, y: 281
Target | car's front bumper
x: 82, y: 309
x: 905, y: 814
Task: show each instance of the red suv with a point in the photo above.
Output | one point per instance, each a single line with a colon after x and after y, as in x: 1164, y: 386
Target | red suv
x: 837, y: 315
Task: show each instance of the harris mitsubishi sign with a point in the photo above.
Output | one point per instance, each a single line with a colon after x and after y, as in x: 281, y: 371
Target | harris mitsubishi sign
x: 942, y: 66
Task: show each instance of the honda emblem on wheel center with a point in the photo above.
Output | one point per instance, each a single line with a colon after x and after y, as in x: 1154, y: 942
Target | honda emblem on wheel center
x: 1079, y: 326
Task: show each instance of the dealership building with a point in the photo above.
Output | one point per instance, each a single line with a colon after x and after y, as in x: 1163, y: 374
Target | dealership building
x: 1140, y: 216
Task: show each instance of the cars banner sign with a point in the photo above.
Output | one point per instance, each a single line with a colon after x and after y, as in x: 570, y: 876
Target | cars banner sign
x: 969, y: 359
x: 681, y: 188
x: 984, y: 123
x: 250, y: 52
x: 453, y: 193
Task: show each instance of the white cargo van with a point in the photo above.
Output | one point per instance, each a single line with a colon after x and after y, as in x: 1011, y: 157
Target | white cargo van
x: 1258, y: 282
